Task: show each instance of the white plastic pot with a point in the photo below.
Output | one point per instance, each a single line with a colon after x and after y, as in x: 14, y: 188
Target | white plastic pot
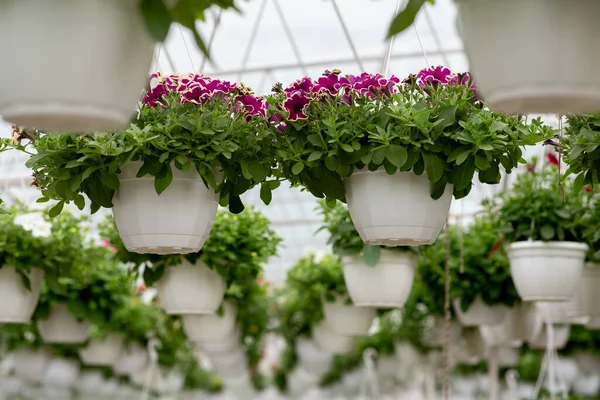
x: 226, y: 344
x: 168, y: 382
x: 199, y: 328
x: 229, y: 364
x: 62, y: 327
x: 557, y: 312
x: 508, y: 357
x: 17, y: 303
x: 191, y: 289
x: 587, y: 301
x: 561, y: 337
x: 587, y: 385
x: 434, y: 333
x: 102, y: 352
x: 507, y: 56
x: 479, y: 313
x: 176, y: 222
x: 30, y: 365
x: 61, y: 372
x: 330, y: 341
x: 311, y: 357
x: 90, y: 382
x: 385, y: 285
x: 102, y: 75
x: 133, y: 358
x: 347, y: 319
x: 300, y: 381
x: 546, y: 271
x: 395, y: 210
x: 240, y: 386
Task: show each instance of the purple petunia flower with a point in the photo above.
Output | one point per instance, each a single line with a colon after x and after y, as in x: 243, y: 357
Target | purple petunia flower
x: 295, y: 104
x: 373, y: 85
x: 305, y: 85
x: 251, y: 104
x: 331, y: 83
x: 277, y: 120
x: 433, y: 76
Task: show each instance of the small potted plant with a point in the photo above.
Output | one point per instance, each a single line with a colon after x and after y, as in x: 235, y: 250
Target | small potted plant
x: 103, y: 88
x: 376, y: 276
x: 395, y: 152
x: 504, y: 54
x: 197, y: 142
x: 544, y: 233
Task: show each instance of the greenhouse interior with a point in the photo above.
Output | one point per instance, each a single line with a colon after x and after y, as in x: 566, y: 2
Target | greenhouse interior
x: 308, y: 200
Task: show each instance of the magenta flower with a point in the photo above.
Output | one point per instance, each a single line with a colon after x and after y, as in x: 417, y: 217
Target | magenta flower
x: 331, y: 83
x: 305, y: 85
x: 374, y: 85
x: 251, y: 104
x: 296, y: 104
x: 433, y: 76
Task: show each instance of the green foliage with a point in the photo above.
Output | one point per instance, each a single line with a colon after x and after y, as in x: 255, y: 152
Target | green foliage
x: 581, y: 148
x: 535, y: 209
x: 591, y: 234
x: 344, y: 238
x: 530, y: 364
x: 231, y: 151
x: 198, y: 378
x: 582, y: 339
x: 485, y: 268
x: 406, y: 17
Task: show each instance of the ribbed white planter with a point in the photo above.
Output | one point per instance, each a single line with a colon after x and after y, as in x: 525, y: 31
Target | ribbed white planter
x: 561, y: 337
x: 300, y: 380
x: 168, y: 382
x: 395, y: 210
x: 240, y: 386
x: 347, y: 319
x: 90, y: 382
x: 191, y: 289
x: 558, y: 312
x: 587, y: 298
x: 62, y: 372
x: 30, y: 365
x: 479, y: 313
x: 546, y: 271
x: 176, y: 222
x: 434, y: 333
x: 100, y: 91
x: 330, y: 341
x: 505, y: 54
x: 62, y: 327
x: 229, y: 364
x: 587, y: 385
x: 226, y: 344
x: 311, y: 357
x: 508, y: 357
x: 17, y: 303
x: 385, y: 285
x: 133, y: 358
x: 103, y: 352
x: 201, y: 328
x: 387, y: 366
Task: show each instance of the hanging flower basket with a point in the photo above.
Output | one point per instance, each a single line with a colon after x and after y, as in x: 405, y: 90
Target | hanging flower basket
x: 17, y: 303
x: 133, y: 358
x: 61, y: 327
x: 347, y: 319
x: 434, y: 334
x: 395, y: 210
x: 191, y: 289
x: 561, y: 337
x: 177, y: 221
x: 102, y: 352
x: 509, y: 59
x: 479, y: 313
x: 62, y: 372
x: 557, y: 312
x: 225, y: 344
x: 30, y: 365
x: 201, y: 328
x: 330, y: 341
x: 385, y: 285
x: 99, y: 91
x: 311, y: 357
x: 546, y: 271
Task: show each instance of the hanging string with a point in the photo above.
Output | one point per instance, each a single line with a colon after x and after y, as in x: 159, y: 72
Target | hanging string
x: 447, y: 315
x: 388, y: 54
x: 421, y: 44
x: 460, y: 237
x: 371, y: 383
x: 560, y: 138
x: 152, y: 368
x: 187, y: 48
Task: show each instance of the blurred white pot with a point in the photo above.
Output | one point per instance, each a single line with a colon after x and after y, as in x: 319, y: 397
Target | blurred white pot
x: 30, y: 365
x: 102, y: 352
x: 589, y: 363
x: 479, y: 313
x: 384, y: 285
x: 229, y: 364
x: 17, y: 303
x: 561, y: 337
x: 508, y: 356
x: 347, y: 319
x: 90, y: 382
x: 62, y: 327
x: 210, y: 327
x: 586, y: 301
x: 133, y: 358
x: 587, y: 385
x: 546, y: 271
x: 300, y: 380
x: 240, y: 386
x: 434, y: 332
x: 387, y: 366
x: 330, y: 341
x: 558, y: 312
x: 225, y: 344
x: 191, y: 289
x: 61, y: 372
x: 311, y: 357
x: 408, y: 357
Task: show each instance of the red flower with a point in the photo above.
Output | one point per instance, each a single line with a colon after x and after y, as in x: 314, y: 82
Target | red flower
x: 589, y: 189
x: 552, y: 159
x: 142, y: 288
x: 496, y: 247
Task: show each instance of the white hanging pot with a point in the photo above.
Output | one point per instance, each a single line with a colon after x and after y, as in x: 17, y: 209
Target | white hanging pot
x: 593, y: 323
x: 226, y: 344
x: 61, y: 372
x: 395, y: 210
x: 385, y: 285
x: 557, y: 312
x: 546, y: 271
x: 110, y: 388
x: 102, y: 352
x: 587, y: 301
x: 240, y: 386
x: 229, y: 364
x: 90, y: 382
x: 191, y: 289
x: 589, y: 363
x: 17, y: 303
x: 434, y: 334
x: 347, y: 319
x: 496, y: 335
x: 168, y: 382
x: 561, y: 337
x: 99, y: 91
x: 62, y: 327
x: 506, y: 55
x: 200, y: 328
x: 300, y: 380
x: 507, y: 356
x: 479, y: 313
x: 30, y: 365
x: 176, y: 222
x: 387, y: 366
x: 587, y: 385
x: 133, y: 358
x: 471, y: 349
x: 311, y: 357
x: 330, y: 341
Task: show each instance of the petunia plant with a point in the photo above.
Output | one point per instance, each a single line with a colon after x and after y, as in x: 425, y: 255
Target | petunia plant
x: 185, y: 122
x: 581, y: 148
x: 433, y: 123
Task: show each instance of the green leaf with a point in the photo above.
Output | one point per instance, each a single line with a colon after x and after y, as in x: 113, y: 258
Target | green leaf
x: 161, y: 183
x: 297, y: 168
x: 57, y: 209
x: 347, y: 148
x: 378, y: 156
x: 244, y: 167
x: 79, y: 201
x: 434, y: 166
x: 42, y: 200
x: 579, y: 182
x: 156, y: 17
x: 405, y: 18
x: 258, y: 171
x: 447, y: 118
x: 547, y: 232
x: 397, y: 155
x: 265, y: 193
x: 371, y: 254
x: 235, y: 204
x: 491, y: 175
x: 111, y: 181
x: 315, y: 155
x: 78, y: 308
x: 462, y: 175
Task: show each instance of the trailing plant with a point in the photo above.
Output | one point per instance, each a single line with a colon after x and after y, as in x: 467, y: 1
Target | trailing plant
x: 542, y: 206
x: 185, y: 122
x: 591, y: 234
x: 198, y: 378
x: 344, y: 237
x: 432, y: 122
x: 581, y: 149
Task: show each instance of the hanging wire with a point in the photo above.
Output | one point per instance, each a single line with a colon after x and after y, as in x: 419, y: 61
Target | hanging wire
x: 385, y: 65
x: 446, y: 348
x: 211, y: 39
x: 186, y: 47
x: 560, y: 139
x: 252, y: 39
x: 347, y: 34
